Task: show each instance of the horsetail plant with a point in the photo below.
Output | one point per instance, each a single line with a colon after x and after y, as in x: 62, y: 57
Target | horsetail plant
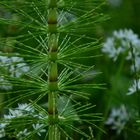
x: 54, y: 41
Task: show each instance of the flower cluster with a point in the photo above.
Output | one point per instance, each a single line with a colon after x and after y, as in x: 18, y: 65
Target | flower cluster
x: 13, y: 66
x: 127, y: 43
x: 120, y: 43
x: 118, y: 119
x: 134, y: 87
x: 22, y: 110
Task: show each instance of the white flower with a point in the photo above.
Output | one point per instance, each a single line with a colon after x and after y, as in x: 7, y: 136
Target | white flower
x: 127, y: 35
x: 16, y: 59
x: 132, y: 89
x: 24, y: 110
x: 137, y: 64
x: 16, y: 113
x: 38, y: 128
x: 4, y: 84
x: 118, y: 119
x: 21, y: 110
x: 119, y: 44
x: 4, y: 60
x: 109, y: 48
x: 9, y: 116
x: 2, y: 125
x: 136, y: 53
x: 22, y: 134
x: 15, y: 65
x: 2, y: 133
x: 25, y: 107
x: 18, y: 67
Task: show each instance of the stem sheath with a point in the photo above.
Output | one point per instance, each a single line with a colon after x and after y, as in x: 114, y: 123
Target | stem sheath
x: 52, y: 70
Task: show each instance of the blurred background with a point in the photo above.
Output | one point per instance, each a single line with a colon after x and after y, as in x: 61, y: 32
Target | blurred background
x: 120, y: 109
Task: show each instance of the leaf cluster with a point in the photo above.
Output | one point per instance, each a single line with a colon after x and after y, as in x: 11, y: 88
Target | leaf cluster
x: 77, y: 21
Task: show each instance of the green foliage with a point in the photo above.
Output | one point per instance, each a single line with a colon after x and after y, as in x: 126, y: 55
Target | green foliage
x: 55, y: 39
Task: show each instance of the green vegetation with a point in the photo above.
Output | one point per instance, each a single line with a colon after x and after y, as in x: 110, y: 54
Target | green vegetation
x: 69, y: 70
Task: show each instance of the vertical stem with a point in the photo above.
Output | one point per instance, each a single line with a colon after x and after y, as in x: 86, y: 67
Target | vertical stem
x: 136, y: 75
x: 109, y: 99
x: 52, y: 70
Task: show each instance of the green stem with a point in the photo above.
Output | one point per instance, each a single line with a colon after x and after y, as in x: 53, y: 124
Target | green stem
x: 109, y: 99
x: 136, y: 76
x: 52, y: 70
